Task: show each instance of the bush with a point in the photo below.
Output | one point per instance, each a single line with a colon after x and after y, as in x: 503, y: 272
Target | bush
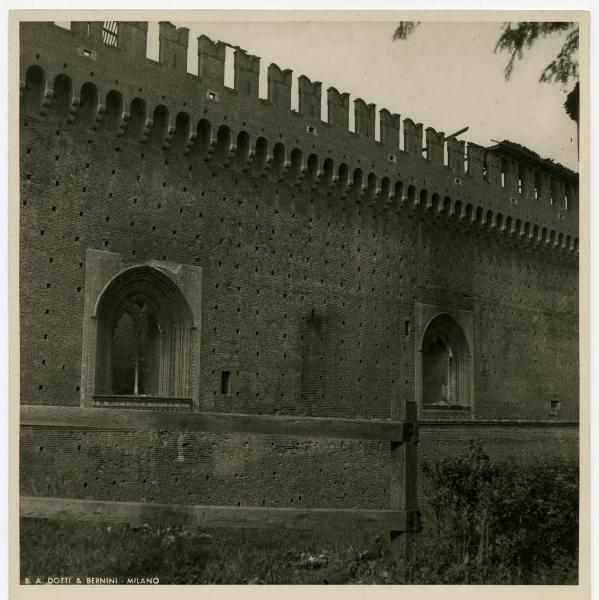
x: 499, y: 522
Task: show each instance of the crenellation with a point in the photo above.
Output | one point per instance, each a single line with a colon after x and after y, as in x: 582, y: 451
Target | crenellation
x: 211, y: 62
x: 309, y: 98
x: 76, y: 95
x: 338, y: 109
x: 571, y: 197
x: 279, y: 86
x: 412, y: 138
x: 133, y: 39
x: 543, y: 183
x: 559, y: 193
x: 88, y: 30
x: 493, y: 166
x: 435, y: 147
x: 247, y: 73
x: 173, y: 43
x: 476, y: 161
x: 527, y: 179
x: 509, y: 169
x: 390, y: 126
x: 365, y: 117
x: 456, y: 152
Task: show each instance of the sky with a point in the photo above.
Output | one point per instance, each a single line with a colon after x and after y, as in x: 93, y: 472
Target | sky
x: 446, y: 75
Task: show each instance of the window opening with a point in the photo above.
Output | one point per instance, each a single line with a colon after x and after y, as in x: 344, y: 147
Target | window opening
x: 110, y: 33
x: 144, y: 337
x: 225, y: 383
x: 445, y: 365
x: 135, y: 351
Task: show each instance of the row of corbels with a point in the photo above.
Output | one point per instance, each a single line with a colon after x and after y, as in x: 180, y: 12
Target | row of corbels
x: 276, y: 166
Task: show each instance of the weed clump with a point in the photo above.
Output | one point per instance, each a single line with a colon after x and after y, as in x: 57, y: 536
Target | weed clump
x: 498, y: 521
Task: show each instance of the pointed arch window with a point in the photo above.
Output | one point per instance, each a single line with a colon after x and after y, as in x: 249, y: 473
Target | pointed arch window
x: 136, y: 347
x: 140, y: 334
x: 144, y: 337
x: 444, y: 368
x: 445, y: 362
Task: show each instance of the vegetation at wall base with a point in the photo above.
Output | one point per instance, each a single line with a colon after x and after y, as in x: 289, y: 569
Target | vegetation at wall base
x: 485, y: 522
x: 499, y: 521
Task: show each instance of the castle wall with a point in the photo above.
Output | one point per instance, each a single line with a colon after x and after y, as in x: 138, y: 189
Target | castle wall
x: 310, y: 276
x: 305, y: 296
x: 256, y: 470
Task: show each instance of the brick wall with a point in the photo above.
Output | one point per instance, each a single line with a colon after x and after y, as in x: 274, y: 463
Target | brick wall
x: 254, y: 470
x: 305, y: 296
x: 305, y: 300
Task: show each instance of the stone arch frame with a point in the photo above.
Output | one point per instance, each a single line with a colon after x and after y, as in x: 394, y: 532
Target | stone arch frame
x: 172, y: 293
x: 162, y: 301
x: 456, y: 324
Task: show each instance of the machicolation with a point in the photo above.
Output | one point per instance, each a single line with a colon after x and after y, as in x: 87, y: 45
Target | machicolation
x: 503, y: 188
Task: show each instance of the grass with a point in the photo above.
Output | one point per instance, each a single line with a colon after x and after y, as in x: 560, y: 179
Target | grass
x: 181, y: 555
x: 225, y: 556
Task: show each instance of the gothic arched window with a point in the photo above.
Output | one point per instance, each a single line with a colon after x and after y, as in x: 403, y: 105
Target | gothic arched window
x: 445, y: 364
x: 135, y: 349
x: 144, y: 337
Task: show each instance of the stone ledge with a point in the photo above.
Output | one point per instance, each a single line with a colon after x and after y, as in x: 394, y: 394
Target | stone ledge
x: 142, y: 402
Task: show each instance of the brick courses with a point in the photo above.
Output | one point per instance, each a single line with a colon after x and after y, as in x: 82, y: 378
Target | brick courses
x: 307, y: 282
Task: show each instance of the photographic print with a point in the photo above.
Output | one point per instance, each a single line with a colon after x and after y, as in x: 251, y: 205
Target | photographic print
x: 298, y: 298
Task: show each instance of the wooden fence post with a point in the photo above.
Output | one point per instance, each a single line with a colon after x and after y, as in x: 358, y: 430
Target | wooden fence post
x: 403, y: 488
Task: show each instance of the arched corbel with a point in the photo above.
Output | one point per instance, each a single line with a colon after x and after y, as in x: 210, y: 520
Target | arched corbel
x: 332, y: 184
x: 97, y: 119
x: 284, y: 170
x: 145, y: 131
x: 168, y: 137
x: 190, y: 142
x: 229, y: 154
x: 268, y: 161
x: 72, y: 112
x: 121, y: 127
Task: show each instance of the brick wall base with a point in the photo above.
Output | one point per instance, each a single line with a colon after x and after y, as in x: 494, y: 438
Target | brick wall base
x: 255, y: 470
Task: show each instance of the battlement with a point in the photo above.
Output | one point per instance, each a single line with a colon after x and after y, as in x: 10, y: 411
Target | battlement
x: 97, y: 76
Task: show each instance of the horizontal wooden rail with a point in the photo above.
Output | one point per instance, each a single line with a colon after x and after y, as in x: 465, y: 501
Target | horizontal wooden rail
x: 141, y: 513
x: 120, y: 419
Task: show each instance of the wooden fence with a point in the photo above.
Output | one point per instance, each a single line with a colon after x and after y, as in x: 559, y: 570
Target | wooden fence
x: 400, y: 519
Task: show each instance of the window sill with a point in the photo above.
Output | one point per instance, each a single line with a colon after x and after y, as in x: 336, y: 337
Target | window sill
x: 142, y: 402
x: 451, y: 413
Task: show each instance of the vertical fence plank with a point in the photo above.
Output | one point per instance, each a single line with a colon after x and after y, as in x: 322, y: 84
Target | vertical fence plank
x: 403, y: 488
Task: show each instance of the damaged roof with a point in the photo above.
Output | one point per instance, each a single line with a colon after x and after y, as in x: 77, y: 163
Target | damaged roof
x: 524, y: 154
